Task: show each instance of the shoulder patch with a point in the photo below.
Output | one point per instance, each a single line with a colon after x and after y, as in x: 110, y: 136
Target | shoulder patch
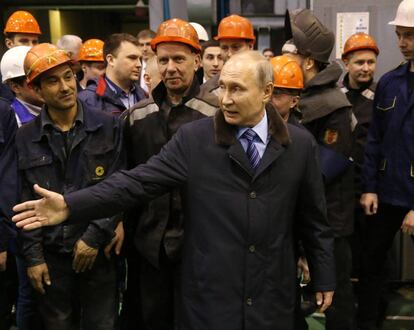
x: 344, y: 90
x: 369, y: 94
x: 141, y: 113
x: 201, y: 106
x: 330, y: 136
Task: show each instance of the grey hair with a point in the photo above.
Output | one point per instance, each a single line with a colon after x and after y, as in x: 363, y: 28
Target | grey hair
x: 263, y: 69
x: 68, y: 41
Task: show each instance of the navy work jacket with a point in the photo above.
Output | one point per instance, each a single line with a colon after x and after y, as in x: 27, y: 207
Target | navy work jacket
x: 94, y: 153
x: 8, y: 173
x: 100, y: 96
x: 389, y: 155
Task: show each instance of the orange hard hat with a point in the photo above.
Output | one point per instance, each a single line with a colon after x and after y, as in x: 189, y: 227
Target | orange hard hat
x: 22, y: 22
x: 360, y: 41
x: 287, y: 72
x: 92, y: 51
x: 43, y: 57
x: 176, y: 30
x: 235, y: 27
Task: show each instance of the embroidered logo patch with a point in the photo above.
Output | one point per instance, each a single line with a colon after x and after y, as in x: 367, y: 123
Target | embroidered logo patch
x: 331, y: 136
x: 99, y: 171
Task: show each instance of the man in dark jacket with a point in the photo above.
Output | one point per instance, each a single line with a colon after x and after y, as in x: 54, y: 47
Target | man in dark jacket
x: 8, y: 196
x: 360, y: 58
x: 327, y: 115
x: 119, y: 88
x: 244, y: 177
x: 69, y: 146
x: 157, y: 227
x: 388, y: 170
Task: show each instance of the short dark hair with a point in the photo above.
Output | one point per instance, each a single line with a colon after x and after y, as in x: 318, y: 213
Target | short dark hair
x: 17, y: 80
x: 267, y: 50
x: 147, y: 33
x: 209, y: 43
x: 114, y: 41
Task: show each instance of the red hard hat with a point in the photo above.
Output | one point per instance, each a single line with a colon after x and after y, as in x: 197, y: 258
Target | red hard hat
x: 360, y: 41
x: 235, y: 27
x: 22, y: 22
x: 41, y: 58
x: 287, y: 72
x: 176, y: 30
x: 91, y: 51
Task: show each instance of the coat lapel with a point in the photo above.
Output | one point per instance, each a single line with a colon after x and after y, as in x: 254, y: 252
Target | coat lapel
x: 273, y: 151
x: 238, y: 155
x: 225, y: 134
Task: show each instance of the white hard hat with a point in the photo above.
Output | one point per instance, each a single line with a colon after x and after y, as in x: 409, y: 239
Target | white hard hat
x: 405, y: 14
x: 11, y: 64
x: 201, y: 31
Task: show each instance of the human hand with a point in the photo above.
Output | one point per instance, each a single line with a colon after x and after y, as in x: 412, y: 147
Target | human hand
x: 324, y: 300
x: 3, y: 261
x: 304, y: 267
x: 47, y: 211
x: 117, y: 241
x: 84, y: 256
x: 38, y: 275
x: 369, y: 202
x: 408, y: 223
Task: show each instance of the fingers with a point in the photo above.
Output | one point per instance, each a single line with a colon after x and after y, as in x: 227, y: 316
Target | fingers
x: 42, y: 191
x: 27, y: 207
x: 118, y: 245
x: 324, y: 300
x: 108, y: 249
x: 46, y: 277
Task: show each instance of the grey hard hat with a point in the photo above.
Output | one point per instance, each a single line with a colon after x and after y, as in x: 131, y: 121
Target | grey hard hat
x: 309, y: 35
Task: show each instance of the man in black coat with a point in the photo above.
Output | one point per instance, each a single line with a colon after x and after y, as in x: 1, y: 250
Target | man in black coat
x: 156, y: 228
x: 248, y: 182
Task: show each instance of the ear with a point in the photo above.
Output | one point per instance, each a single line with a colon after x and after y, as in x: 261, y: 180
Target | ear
x: 197, y: 62
x: 268, y: 91
x: 147, y: 78
x: 110, y: 59
x: 83, y: 67
x: 9, y: 43
x: 346, y: 63
x: 294, y: 102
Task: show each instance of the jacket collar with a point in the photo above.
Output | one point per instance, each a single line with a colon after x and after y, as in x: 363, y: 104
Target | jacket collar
x: 86, y: 118
x: 403, y: 69
x: 159, y: 94
x: 225, y: 134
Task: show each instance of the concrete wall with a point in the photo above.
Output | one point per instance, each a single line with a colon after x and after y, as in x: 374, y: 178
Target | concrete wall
x: 381, y: 12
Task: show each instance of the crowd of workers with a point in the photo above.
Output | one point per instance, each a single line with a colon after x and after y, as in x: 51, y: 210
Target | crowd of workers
x: 176, y: 181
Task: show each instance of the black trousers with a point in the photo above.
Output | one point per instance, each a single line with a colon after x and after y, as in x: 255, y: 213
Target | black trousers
x: 341, y: 314
x: 8, y: 292
x: 152, y: 294
x: 86, y: 301
x: 379, y: 237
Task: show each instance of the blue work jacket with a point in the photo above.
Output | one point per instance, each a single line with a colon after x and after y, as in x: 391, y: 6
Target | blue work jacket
x: 389, y: 155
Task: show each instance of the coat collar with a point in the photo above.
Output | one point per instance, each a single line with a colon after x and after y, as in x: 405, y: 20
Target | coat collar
x: 159, y: 94
x: 225, y: 134
x: 87, y: 118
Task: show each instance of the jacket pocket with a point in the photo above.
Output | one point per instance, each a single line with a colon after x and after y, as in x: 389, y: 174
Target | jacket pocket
x: 38, y: 169
x: 26, y: 163
x: 98, y: 162
x: 386, y: 104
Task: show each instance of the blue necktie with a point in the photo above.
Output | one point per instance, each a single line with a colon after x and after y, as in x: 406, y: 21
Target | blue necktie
x: 252, y: 152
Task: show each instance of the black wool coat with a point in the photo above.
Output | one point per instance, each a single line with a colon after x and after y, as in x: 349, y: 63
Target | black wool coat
x: 238, y: 263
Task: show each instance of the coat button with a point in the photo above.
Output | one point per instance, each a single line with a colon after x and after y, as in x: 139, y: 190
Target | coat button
x: 249, y: 301
x: 252, y: 194
x: 252, y: 248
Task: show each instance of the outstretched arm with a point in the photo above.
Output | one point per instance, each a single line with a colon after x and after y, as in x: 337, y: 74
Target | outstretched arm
x: 119, y: 192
